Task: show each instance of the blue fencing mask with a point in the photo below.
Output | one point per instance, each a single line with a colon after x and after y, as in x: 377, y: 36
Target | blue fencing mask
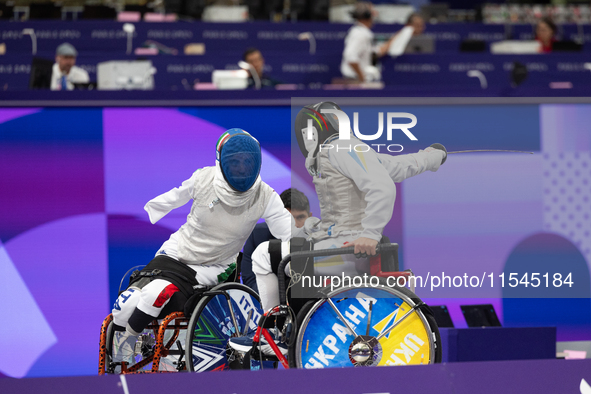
x: 239, y: 155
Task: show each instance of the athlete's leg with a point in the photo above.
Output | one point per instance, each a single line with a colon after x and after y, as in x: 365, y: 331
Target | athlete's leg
x: 267, y: 281
x: 125, y: 305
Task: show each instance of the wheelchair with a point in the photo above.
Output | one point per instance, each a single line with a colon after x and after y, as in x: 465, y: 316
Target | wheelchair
x: 351, y: 326
x: 222, y: 311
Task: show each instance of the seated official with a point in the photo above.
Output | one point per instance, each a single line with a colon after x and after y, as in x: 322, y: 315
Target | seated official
x: 65, y: 73
x: 545, y: 32
x: 255, y: 58
x: 402, y: 39
x: 417, y: 22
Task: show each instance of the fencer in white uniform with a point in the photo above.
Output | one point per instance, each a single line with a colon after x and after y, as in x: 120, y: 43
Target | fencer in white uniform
x: 228, y: 200
x: 356, y: 192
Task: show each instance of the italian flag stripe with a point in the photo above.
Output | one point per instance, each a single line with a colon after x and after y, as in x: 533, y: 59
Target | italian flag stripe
x: 221, y: 141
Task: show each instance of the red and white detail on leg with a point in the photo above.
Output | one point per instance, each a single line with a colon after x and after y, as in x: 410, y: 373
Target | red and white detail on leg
x: 165, y: 295
x: 155, y: 295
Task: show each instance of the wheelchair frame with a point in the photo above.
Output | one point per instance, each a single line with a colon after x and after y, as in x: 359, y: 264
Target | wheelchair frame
x: 161, y: 349
x: 106, y: 365
x: 283, y: 309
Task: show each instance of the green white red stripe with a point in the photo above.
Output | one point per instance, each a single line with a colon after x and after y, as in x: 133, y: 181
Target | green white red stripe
x: 223, y: 138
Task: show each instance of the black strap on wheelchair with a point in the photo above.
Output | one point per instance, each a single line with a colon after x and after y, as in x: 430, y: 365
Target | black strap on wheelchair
x: 275, y: 254
x: 389, y: 259
x: 305, y: 266
x: 298, y: 296
x: 190, y: 305
x: 297, y: 245
x: 165, y: 267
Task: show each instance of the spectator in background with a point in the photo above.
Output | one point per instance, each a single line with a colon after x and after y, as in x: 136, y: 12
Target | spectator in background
x: 359, y: 49
x: 65, y: 73
x: 298, y: 205
x: 414, y: 26
x: 545, y: 32
x: 417, y: 22
x: 255, y: 58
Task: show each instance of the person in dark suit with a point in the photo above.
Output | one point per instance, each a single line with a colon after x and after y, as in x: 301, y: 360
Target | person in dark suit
x: 255, y: 58
x: 298, y: 205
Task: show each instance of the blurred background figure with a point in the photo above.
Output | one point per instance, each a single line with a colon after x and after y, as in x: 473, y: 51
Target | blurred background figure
x: 417, y: 22
x: 255, y: 58
x: 545, y: 34
x: 359, y: 46
x: 410, y: 38
x: 65, y: 73
x: 298, y: 205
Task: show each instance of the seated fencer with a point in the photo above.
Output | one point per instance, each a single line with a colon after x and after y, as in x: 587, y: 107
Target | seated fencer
x: 228, y: 200
x: 356, y: 191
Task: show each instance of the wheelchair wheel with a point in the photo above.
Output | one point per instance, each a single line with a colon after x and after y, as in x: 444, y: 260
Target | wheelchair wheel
x: 325, y: 341
x: 222, y: 313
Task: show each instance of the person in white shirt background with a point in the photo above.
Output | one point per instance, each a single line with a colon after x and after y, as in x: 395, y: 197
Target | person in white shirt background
x: 65, y: 73
x: 359, y: 46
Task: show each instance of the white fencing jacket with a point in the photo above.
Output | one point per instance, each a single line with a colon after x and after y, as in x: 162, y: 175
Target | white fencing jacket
x: 356, y: 189
x: 221, y: 219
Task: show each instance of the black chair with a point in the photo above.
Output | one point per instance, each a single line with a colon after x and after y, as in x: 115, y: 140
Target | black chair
x: 44, y: 11
x: 142, y: 9
x: 99, y: 12
x: 481, y: 315
x: 318, y: 10
x: 40, y: 77
x: 188, y: 8
x: 6, y: 11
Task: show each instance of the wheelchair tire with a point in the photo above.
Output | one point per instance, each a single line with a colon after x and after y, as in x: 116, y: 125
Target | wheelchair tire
x: 212, y: 325
x: 300, y: 320
x: 324, y: 341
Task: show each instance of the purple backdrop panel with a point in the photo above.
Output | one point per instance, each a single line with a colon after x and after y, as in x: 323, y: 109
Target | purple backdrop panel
x: 9, y: 114
x: 31, y: 322
x: 64, y: 264
x: 565, y: 128
x: 49, y: 170
x: 44, y: 183
x: 432, y: 257
x: 567, y: 172
x: 150, y: 151
x: 479, y: 177
x: 132, y: 242
x: 467, y: 217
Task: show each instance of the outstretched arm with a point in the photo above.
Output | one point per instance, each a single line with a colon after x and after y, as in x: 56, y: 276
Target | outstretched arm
x: 382, y: 49
x: 405, y: 166
x: 159, y: 206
